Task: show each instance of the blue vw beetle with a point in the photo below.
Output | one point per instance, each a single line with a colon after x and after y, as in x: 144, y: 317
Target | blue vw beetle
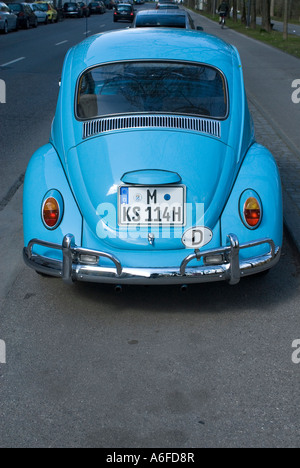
x: 152, y: 174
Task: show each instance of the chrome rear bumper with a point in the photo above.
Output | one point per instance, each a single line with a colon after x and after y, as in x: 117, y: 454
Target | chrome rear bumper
x: 72, y: 267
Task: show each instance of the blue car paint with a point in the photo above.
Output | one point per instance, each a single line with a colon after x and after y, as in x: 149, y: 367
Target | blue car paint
x: 44, y: 173
x: 259, y: 172
x: 237, y: 130
x: 215, y: 170
x: 151, y: 177
x: 208, y: 178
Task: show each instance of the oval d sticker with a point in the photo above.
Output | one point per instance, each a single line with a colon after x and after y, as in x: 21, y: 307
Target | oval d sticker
x: 197, y: 237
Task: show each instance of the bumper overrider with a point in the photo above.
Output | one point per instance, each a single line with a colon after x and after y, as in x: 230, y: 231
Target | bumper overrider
x: 75, y: 267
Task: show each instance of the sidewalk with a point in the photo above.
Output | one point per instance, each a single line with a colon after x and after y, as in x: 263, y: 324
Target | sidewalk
x: 289, y: 166
x: 268, y: 76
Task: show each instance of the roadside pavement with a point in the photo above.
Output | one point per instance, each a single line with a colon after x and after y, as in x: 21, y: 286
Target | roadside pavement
x: 294, y: 29
x: 269, y: 94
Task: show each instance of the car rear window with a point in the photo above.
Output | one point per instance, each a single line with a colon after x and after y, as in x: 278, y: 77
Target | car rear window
x: 15, y: 7
x: 168, y: 7
x: 173, y: 21
x: 152, y: 87
x: 124, y: 8
x: 4, y: 8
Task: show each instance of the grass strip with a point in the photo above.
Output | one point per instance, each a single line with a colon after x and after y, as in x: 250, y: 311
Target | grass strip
x: 274, y: 38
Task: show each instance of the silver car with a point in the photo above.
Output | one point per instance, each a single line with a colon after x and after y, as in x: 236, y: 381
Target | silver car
x: 8, y: 20
x: 41, y: 15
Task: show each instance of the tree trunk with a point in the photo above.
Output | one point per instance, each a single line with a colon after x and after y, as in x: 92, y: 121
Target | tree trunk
x: 244, y: 13
x: 285, y: 20
x: 234, y: 5
x: 208, y: 6
x: 266, y: 17
x: 253, y: 14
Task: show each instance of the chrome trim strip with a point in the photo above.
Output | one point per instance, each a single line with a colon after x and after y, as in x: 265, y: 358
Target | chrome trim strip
x: 112, y: 124
x: 71, y: 269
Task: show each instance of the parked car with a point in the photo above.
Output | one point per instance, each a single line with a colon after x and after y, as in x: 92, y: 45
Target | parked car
x: 25, y: 15
x: 164, y: 18
x: 8, y: 20
x: 152, y: 174
x: 97, y: 8
x: 41, y: 15
x: 124, y: 12
x: 85, y: 9
x: 50, y: 10
x: 72, y: 10
x: 166, y: 4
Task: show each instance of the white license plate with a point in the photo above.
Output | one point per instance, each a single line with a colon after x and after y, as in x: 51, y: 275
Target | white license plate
x: 151, y: 206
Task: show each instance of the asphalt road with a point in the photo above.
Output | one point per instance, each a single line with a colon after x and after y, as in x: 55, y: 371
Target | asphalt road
x: 30, y: 64
x: 152, y: 367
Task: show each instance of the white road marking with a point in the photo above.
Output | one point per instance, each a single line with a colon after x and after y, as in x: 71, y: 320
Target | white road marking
x: 60, y: 43
x: 13, y: 61
x: 87, y: 32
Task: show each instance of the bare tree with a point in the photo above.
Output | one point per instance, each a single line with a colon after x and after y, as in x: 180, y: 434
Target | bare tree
x: 244, y: 12
x: 285, y: 20
x: 266, y: 17
x: 209, y: 6
x: 253, y: 14
x: 234, y: 5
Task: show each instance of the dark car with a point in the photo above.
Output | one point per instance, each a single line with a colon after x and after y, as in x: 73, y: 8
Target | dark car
x: 164, y: 18
x: 97, y: 8
x: 124, y: 12
x: 73, y: 9
x: 85, y: 9
x: 25, y: 15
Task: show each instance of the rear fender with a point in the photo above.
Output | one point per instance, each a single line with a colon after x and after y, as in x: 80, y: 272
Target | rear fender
x: 45, y: 173
x: 259, y: 173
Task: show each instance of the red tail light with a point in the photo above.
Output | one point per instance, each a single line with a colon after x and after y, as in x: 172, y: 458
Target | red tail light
x: 252, y: 212
x: 51, y: 212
